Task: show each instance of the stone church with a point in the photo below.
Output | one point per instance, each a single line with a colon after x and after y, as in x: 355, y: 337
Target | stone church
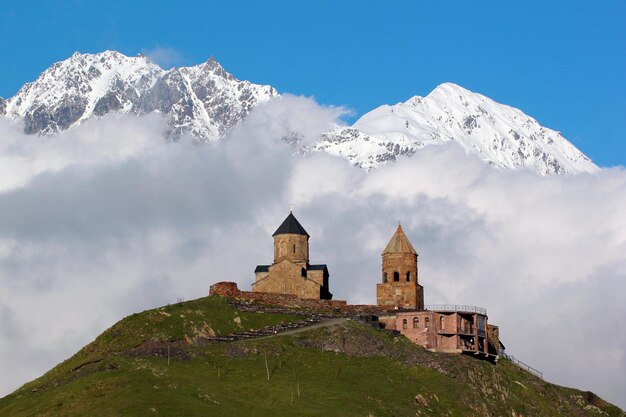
x: 400, y: 288
x: 291, y: 272
x: 399, y: 296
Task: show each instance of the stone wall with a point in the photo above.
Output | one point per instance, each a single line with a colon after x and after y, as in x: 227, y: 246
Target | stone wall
x: 287, y: 277
x: 334, y: 307
x: 493, y: 332
x: 406, y: 295
x: 293, y: 247
x: 405, y: 292
x: 402, y: 263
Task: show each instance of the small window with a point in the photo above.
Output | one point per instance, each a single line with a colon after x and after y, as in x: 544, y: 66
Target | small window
x: 294, y: 248
x: 396, y: 276
x: 427, y: 322
x: 408, y: 276
x: 416, y: 322
x: 303, y: 272
x: 442, y: 322
x: 404, y: 323
x: 385, y: 278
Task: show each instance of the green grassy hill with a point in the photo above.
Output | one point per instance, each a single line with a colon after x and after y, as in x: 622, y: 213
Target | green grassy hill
x: 167, y: 362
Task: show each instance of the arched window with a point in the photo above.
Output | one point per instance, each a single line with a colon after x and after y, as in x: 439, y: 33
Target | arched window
x: 385, y: 278
x: 416, y: 322
x: 427, y: 322
x: 404, y: 323
x: 408, y: 276
x: 396, y: 276
x: 442, y: 323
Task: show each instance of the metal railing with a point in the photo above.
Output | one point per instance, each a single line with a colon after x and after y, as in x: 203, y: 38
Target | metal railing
x: 522, y: 365
x: 455, y: 307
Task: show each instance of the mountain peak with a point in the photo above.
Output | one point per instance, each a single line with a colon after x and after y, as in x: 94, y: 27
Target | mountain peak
x: 454, y: 92
x: 500, y: 135
x: 214, y: 67
x: 449, y: 86
x: 88, y: 85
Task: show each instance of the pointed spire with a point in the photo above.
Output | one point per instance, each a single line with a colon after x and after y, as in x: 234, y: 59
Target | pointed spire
x: 399, y: 243
x: 291, y: 226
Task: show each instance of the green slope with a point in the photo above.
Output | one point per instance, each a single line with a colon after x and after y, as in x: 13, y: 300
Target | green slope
x: 159, y: 363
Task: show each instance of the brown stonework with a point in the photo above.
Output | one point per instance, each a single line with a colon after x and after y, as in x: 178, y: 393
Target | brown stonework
x: 287, y: 277
x: 445, y: 331
x: 493, y: 333
x: 332, y: 307
x: 225, y: 289
x: 291, y: 272
x: 292, y: 247
x: 400, y: 288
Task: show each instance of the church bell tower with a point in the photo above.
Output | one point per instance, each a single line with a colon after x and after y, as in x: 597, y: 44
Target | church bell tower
x: 291, y: 242
x: 400, y: 288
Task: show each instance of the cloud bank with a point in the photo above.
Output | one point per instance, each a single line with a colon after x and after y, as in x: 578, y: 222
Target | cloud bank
x: 109, y: 218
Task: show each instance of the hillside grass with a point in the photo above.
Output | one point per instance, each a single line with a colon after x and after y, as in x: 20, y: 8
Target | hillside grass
x: 183, y: 321
x: 345, y: 370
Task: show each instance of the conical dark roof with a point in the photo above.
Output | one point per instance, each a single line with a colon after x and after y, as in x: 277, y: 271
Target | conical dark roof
x: 292, y: 226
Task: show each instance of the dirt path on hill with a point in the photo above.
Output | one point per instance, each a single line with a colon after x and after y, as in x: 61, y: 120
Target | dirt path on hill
x: 323, y: 323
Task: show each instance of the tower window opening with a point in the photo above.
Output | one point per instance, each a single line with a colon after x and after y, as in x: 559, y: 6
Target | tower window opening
x: 416, y: 322
x: 404, y: 323
x: 385, y: 278
x: 442, y: 323
x: 396, y: 276
x: 427, y: 322
x: 294, y: 248
x: 408, y: 276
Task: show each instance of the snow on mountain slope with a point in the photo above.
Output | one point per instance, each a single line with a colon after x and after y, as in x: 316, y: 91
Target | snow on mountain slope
x: 207, y: 102
x: 204, y: 100
x: 501, y: 135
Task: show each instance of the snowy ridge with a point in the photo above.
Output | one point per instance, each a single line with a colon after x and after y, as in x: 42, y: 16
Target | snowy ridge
x: 207, y: 102
x: 501, y: 135
x: 204, y: 100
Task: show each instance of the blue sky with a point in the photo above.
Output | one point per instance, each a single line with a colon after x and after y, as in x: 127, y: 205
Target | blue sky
x: 562, y: 62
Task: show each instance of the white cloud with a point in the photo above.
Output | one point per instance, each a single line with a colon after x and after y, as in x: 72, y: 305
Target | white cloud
x: 110, y: 218
x: 165, y: 57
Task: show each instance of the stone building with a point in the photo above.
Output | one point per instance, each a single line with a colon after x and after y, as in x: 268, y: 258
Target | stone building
x: 446, y: 328
x: 291, y: 272
x: 400, y: 288
x: 443, y: 328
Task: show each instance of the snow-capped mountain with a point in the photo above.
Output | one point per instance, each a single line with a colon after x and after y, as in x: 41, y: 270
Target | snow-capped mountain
x: 203, y: 100
x: 501, y: 135
x: 207, y: 102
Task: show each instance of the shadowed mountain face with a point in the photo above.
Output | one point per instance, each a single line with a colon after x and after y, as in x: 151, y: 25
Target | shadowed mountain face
x: 220, y: 356
x: 207, y: 102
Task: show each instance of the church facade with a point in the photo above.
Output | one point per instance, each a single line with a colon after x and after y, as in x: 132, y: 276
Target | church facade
x: 291, y: 272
